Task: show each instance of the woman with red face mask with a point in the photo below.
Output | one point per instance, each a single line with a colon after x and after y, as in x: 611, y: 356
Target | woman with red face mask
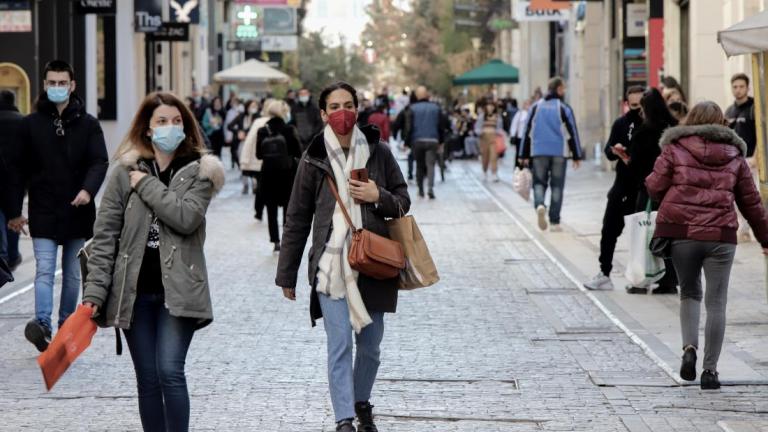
x: 347, y: 301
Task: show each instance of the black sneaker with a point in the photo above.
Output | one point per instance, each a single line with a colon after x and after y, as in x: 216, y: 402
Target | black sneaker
x: 38, y: 334
x: 364, y: 412
x: 688, y: 367
x: 345, y: 426
x: 421, y: 193
x: 277, y: 247
x: 710, y: 380
x: 431, y: 195
x: 635, y: 290
x: 665, y: 289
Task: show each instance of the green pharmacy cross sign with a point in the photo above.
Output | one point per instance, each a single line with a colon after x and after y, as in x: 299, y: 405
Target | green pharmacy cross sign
x: 246, y: 28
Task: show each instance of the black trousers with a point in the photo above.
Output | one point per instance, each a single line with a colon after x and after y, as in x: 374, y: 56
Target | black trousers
x: 258, y: 202
x: 274, y: 231
x: 619, y: 205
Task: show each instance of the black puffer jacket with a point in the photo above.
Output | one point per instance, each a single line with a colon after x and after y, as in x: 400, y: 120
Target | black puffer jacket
x: 10, y: 145
x: 312, y: 199
x: 56, y: 167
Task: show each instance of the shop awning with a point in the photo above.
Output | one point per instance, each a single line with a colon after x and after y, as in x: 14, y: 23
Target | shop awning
x: 746, y: 37
x: 493, y: 72
x: 250, y: 72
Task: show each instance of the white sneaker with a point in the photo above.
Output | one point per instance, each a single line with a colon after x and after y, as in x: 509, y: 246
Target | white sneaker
x: 555, y: 228
x: 495, y: 178
x: 599, y: 282
x: 485, y: 176
x: 541, y: 212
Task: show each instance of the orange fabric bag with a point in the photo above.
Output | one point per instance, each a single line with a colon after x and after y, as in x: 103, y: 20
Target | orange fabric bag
x: 71, y: 340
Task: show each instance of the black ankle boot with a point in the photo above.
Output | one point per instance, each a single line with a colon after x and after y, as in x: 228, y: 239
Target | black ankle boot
x: 364, y: 412
x: 345, y: 426
x: 688, y: 367
x: 709, y: 380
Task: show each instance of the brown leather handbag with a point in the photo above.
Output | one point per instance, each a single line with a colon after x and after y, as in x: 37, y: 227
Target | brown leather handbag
x: 371, y: 254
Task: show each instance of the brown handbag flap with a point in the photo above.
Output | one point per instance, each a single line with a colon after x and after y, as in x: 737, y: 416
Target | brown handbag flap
x: 383, y: 249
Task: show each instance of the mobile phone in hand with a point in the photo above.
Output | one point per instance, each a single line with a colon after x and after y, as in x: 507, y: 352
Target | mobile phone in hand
x: 360, y: 175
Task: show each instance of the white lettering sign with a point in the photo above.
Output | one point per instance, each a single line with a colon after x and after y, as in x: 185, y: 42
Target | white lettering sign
x: 523, y: 12
x: 145, y: 20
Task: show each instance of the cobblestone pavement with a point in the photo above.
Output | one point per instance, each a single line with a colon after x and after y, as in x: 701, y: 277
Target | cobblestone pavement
x: 505, y: 342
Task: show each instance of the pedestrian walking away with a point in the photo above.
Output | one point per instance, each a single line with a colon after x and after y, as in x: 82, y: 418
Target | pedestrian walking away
x: 701, y: 172
x: 249, y: 163
x: 741, y: 118
x: 489, y: 124
x: 546, y: 148
x: 347, y: 301
x: 240, y: 127
x: 10, y: 178
x: 306, y: 118
x: 277, y: 145
x: 213, y: 125
x: 403, y: 125
x: 146, y: 271
x: 643, y: 152
x: 428, y: 127
x: 623, y: 193
x: 63, y: 164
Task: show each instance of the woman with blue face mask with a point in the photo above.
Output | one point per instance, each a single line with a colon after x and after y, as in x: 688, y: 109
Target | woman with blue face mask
x: 146, y: 271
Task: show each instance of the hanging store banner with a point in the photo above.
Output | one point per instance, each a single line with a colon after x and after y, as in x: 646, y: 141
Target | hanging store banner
x: 15, y: 16
x: 148, y: 15
x: 99, y: 7
x: 171, y: 32
x: 526, y: 12
x: 184, y: 11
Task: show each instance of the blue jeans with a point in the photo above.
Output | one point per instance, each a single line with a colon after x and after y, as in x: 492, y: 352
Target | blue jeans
x: 45, y: 259
x: 549, y: 171
x: 350, y: 384
x: 159, y: 343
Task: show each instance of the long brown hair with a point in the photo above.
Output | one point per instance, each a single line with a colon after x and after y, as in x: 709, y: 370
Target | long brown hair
x: 137, y: 138
x: 705, y: 113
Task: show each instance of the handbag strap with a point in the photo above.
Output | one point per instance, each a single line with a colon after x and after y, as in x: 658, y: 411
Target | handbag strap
x: 335, y: 193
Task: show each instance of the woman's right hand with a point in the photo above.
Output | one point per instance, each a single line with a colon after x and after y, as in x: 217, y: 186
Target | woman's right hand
x: 92, y: 306
x: 290, y: 293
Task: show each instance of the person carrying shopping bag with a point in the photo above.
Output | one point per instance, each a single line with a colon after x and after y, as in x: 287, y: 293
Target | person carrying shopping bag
x: 701, y: 172
x: 347, y: 301
x: 146, y: 271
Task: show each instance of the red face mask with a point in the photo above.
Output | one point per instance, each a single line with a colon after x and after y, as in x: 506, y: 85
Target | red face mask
x: 342, y: 121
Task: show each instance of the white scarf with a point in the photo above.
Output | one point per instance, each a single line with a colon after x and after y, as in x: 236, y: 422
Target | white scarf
x: 335, y: 277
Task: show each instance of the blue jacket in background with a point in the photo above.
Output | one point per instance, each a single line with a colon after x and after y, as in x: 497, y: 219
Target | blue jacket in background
x: 426, y: 121
x: 548, y: 122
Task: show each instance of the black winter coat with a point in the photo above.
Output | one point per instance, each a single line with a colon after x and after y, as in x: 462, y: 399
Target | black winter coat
x: 10, y: 146
x: 276, y: 183
x: 312, y: 200
x: 306, y: 118
x: 643, y: 153
x: 622, y: 131
x: 56, y: 168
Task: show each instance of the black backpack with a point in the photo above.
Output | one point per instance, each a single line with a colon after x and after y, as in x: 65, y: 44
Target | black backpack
x: 274, y: 151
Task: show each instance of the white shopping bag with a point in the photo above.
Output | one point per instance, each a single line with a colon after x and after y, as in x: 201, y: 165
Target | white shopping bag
x: 643, y: 268
x: 522, y: 182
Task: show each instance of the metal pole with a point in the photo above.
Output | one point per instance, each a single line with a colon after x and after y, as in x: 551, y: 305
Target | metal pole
x: 760, y: 75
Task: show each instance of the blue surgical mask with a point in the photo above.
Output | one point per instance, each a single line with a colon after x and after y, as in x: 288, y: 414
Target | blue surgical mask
x: 58, y: 94
x: 168, y: 138
x: 303, y: 99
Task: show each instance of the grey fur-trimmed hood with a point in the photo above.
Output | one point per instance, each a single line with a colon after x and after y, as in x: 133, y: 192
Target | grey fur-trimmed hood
x: 712, y: 133
x: 211, y: 167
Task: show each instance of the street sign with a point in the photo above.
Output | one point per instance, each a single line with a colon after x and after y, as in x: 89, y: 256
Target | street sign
x: 184, y: 11
x: 524, y: 12
x: 280, y: 21
x: 100, y: 7
x: 148, y: 15
x: 245, y: 19
x: 15, y: 17
x: 279, y: 43
x: 171, y: 32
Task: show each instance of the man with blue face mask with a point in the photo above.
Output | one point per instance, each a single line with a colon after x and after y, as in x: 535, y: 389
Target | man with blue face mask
x: 306, y: 118
x: 63, y: 163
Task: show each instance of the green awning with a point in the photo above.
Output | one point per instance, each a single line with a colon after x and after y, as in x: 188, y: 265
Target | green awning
x: 493, y: 72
